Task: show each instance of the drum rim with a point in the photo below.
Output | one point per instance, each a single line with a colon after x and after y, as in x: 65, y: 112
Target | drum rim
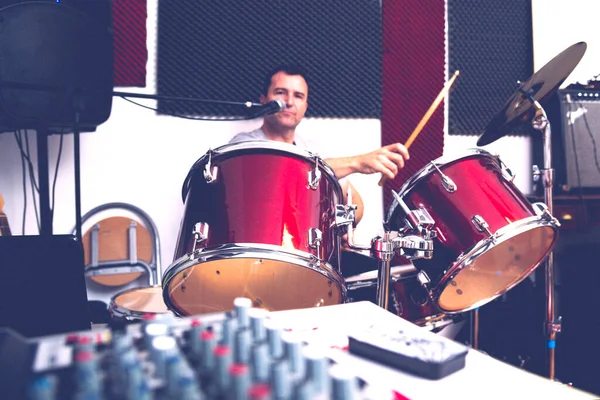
x: 503, y: 234
x: 427, y: 170
x: 225, y: 150
x: 248, y: 250
x: 122, y: 312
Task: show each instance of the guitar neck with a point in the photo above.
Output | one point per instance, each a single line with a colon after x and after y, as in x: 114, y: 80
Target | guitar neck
x: 4, y: 228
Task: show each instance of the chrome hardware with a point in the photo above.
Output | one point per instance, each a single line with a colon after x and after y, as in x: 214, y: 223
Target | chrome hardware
x: 506, y: 172
x: 345, y: 215
x: 447, y: 183
x: 536, y: 173
x: 413, y: 247
x: 541, y: 210
x: 480, y: 224
x: 314, y: 176
x: 132, y: 243
x: 555, y: 326
x: 210, y: 174
x: 423, y: 279
x: 315, y: 238
x: 94, y: 245
x: 200, y: 232
x: 418, y: 220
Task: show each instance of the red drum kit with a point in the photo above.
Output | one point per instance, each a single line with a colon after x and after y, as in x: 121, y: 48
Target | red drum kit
x: 264, y: 220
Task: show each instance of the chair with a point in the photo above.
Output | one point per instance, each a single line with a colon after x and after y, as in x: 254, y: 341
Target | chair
x: 122, y: 251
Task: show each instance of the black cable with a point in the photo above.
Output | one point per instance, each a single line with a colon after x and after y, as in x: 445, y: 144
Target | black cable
x: 24, y: 185
x: 577, y: 171
x: 591, y: 135
x: 188, y: 117
x: 23, y: 154
x: 34, y: 187
x: 60, y: 146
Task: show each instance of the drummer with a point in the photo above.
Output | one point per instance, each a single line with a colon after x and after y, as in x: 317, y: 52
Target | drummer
x: 290, y: 84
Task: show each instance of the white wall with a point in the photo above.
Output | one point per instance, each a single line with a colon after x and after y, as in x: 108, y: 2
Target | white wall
x: 140, y: 158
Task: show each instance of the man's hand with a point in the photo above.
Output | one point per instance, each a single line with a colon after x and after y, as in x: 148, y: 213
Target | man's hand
x: 387, y: 160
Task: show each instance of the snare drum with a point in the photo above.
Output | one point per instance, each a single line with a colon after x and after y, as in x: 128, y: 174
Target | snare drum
x: 259, y: 222
x: 134, y: 304
x: 489, y: 236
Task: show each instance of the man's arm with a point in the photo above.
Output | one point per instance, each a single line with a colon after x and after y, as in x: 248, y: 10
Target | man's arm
x: 387, y: 160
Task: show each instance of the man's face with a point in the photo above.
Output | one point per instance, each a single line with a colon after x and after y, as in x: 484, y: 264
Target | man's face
x: 293, y: 90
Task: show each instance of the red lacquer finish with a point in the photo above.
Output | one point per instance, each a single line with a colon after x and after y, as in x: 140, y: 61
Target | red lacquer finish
x: 489, y: 236
x: 260, y: 195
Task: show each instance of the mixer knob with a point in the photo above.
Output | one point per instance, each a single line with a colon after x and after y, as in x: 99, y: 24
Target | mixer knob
x: 343, y: 383
x: 242, y: 305
x: 274, y: 331
x: 292, y: 347
x: 161, y: 349
x: 42, y: 388
x: 257, y: 318
x: 243, y: 341
x: 240, y: 381
x: 317, y: 365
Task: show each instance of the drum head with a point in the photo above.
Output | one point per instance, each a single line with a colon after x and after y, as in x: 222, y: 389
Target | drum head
x: 135, y: 303
x: 274, y: 279
x: 492, y: 268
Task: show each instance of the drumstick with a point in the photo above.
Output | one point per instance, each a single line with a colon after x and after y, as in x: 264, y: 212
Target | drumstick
x: 426, y: 117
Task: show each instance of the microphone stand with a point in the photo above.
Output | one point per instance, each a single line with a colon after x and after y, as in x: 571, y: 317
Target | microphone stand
x: 249, y: 105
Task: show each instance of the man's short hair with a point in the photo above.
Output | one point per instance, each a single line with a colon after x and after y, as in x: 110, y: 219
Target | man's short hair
x: 289, y: 69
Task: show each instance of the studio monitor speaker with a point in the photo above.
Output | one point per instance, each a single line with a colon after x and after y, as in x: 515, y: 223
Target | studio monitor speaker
x: 56, y: 62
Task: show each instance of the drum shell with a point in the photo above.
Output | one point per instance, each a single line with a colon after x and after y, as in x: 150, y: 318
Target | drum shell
x: 261, y: 196
x: 483, y: 190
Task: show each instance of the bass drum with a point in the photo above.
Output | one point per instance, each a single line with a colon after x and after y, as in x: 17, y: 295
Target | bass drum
x: 489, y: 236
x: 259, y: 222
x: 407, y: 298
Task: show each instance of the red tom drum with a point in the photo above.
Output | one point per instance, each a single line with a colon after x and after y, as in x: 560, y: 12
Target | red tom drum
x: 489, y: 236
x: 259, y: 222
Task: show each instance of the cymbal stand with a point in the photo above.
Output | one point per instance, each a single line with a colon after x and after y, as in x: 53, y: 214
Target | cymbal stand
x: 553, y: 324
x: 414, y: 240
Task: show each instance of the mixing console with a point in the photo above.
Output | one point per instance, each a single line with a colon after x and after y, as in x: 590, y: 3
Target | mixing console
x: 242, y: 354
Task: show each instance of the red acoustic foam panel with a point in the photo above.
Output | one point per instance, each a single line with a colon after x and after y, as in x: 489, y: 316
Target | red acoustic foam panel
x: 413, y: 76
x: 131, y: 54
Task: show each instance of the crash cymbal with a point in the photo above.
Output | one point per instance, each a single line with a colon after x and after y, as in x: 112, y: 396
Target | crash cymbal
x: 541, y: 86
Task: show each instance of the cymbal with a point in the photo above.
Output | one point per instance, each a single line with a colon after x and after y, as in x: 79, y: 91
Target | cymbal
x: 541, y: 85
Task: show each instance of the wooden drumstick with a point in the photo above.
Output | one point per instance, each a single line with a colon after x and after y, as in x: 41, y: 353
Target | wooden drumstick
x: 426, y: 117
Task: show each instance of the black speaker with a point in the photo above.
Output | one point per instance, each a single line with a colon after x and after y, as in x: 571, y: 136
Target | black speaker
x: 42, y: 285
x: 56, y: 61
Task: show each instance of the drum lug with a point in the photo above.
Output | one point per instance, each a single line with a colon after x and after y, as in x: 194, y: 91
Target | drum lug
x: 210, y: 173
x: 315, y: 238
x: 344, y: 216
x: 506, y: 172
x: 482, y: 226
x: 541, y: 210
x: 200, y: 232
x: 447, y: 183
x: 423, y: 279
x: 314, y: 176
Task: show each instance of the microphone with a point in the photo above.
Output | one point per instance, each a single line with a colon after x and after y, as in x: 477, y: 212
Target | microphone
x: 271, y: 107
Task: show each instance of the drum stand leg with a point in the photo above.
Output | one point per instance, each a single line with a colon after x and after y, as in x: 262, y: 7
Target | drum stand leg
x: 475, y: 328
x: 383, y: 251
x: 553, y: 324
